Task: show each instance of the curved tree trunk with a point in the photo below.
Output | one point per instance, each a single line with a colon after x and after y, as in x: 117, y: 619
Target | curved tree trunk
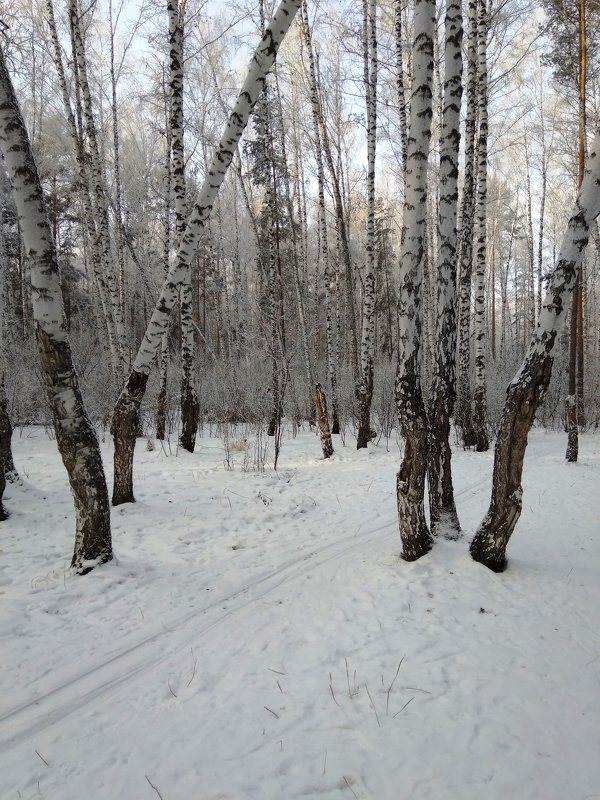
x: 527, y: 389
x: 75, y: 435
x: 444, y: 518
x: 410, y: 483
x: 129, y: 402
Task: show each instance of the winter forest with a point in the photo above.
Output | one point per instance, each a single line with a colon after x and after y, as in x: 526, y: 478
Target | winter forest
x: 300, y: 306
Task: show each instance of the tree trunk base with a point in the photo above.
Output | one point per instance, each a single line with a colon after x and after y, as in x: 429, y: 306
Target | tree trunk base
x: 410, y: 489
x: 323, y: 420
x: 190, y: 417
x: 124, y: 431
x: 572, y: 453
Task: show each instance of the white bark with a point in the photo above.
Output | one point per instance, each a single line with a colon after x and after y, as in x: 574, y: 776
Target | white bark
x: 479, y: 328
x: 443, y: 389
x: 410, y: 482
x: 75, y: 434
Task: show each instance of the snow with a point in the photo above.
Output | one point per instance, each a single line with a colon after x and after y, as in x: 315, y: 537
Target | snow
x: 246, y: 641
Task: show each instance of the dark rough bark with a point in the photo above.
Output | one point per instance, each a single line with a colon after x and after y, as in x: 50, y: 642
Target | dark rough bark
x: 190, y: 417
x: 124, y: 428
x: 5, y: 449
x: 323, y: 421
x: 7, y: 464
x: 364, y: 396
x: 410, y: 487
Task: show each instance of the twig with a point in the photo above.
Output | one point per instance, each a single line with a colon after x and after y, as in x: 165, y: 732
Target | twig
x: 42, y: 757
x: 272, y: 712
x: 387, y: 704
x: 324, y: 763
x: 331, y: 689
x: 194, y: 670
x: 154, y: 787
x: 416, y: 689
x: 276, y: 671
x: 403, y: 707
x: 350, y: 787
x: 170, y: 689
x: 280, y: 689
x: 348, y: 678
x: 373, y: 704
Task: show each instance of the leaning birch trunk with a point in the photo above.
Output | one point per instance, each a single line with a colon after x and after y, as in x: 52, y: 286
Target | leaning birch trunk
x: 128, y: 405
x: 410, y: 483
x: 528, y: 387
x: 75, y: 434
x: 444, y: 518
x: 465, y: 244
x: 480, y: 338
x: 364, y: 386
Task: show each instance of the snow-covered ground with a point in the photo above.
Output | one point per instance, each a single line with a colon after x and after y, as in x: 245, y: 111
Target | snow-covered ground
x: 258, y: 636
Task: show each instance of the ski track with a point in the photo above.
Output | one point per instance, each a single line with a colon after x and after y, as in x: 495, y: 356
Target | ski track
x: 102, y: 680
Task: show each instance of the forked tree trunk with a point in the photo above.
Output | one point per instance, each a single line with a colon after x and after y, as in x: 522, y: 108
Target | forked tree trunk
x: 527, y: 389
x: 323, y: 421
x: 410, y: 483
x: 444, y: 518
x: 75, y: 434
x: 128, y: 404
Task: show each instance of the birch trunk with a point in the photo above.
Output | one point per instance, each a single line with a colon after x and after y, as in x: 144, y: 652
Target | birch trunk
x: 480, y: 339
x: 323, y: 422
x: 75, y: 434
x: 364, y: 386
x: 444, y: 518
x: 410, y: 483
x: 528, y: 387
x: 400, y: 90
x: 465, y: 249
x: 129, y: 402
x: 98, y: 186
x: 190, y: 407
x: 328, y: 278
x: 83, y: 185
x: 337, y: 196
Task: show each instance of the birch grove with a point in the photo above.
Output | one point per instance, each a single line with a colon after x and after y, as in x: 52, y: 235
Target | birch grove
x: 371, y: 269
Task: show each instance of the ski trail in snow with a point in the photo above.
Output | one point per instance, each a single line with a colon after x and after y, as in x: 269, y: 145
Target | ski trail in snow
x: 110, y: 674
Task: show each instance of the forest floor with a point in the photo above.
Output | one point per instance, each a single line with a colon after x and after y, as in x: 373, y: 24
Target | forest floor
x: 258, y: 637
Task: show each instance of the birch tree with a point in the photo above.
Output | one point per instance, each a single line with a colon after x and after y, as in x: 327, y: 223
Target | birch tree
x: 479, y: 329
x: 465, y: 250
x: 128, y: 405
x: 443, y: 389
x: 410, y: 482
x: 364, y: 387
x: 527, y: 389
x: 75, y: 435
